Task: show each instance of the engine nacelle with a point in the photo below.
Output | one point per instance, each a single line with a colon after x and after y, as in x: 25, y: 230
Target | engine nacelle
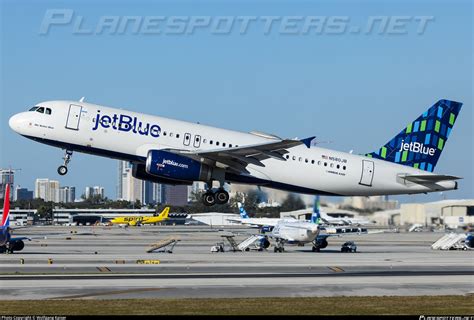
x: 172, y: 166
x: 139, y: 172
x: 17, y: 245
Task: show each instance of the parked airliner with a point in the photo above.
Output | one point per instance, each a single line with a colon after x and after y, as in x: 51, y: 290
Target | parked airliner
x: 175, y: 152
x: 9, y: 244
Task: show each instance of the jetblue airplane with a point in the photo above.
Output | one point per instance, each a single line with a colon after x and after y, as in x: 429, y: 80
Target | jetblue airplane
x: 175, y: 152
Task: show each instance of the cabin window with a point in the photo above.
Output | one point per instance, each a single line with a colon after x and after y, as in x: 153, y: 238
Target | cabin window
x: 177, y: 135
x: 299, y: 159
x: 338, y: 166
x: 344, y: 168
x: 217, y: 143
x: 287, y: 156
x: 171, y: 134
x: 294, y: 158
x: 204, y: 140
x: 230, y: 145
x: 223, y: 144
x: 211, y: 142
x: 325, y: 164
x: 312, y: 161
x: 332, y: 165
x: 319, y: 163
x: 164, y: 133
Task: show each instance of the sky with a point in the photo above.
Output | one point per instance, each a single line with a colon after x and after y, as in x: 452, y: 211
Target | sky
x: 351, y: 85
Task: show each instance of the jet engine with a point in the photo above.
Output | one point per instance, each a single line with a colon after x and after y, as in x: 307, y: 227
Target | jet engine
x: 139, y: 172
x: 171, y: 166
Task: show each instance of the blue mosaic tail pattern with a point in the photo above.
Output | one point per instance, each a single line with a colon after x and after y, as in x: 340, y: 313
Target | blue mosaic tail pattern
x: 420, y: 144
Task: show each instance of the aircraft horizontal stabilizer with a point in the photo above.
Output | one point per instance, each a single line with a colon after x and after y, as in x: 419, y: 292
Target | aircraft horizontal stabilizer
x: 432, y: 178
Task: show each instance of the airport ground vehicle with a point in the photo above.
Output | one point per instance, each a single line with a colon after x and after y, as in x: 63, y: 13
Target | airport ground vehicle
x: 349, y: 246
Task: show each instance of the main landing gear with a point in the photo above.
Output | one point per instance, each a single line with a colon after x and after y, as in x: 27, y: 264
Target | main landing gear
x: 212, y: 197
x: 280, y: 245
x: 62, y: 170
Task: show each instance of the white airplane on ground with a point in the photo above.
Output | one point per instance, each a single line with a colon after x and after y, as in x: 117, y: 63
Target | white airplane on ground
x: 337, y: 221
x: 299, y: 232
x: 175, y: 152
x: 265, y: 223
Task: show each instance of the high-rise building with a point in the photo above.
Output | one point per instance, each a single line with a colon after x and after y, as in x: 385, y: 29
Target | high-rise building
x: 175, y: 195
x: 7, y: 176
x: 46, y: 189
x: 22, y: 194
x: 67, y: 194
x: 95, y: 191
x: 132, y: 189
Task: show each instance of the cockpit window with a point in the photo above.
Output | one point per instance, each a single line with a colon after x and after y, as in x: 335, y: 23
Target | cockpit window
x: 33, y: 109
x: 40, y: 110
x: 48, y: 111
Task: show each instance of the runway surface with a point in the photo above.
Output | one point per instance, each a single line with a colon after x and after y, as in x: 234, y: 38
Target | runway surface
x: 112, y: 263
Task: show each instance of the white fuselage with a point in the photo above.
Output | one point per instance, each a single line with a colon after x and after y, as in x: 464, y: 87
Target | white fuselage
x: 306, y: 170
x: 296, y: 231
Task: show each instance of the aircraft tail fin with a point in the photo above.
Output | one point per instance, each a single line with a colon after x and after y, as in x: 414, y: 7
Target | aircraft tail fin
x: 420, y: 144
x: 164, y: 214
x: 6, y: 207
x: 316, y: 216
x: 243, y: 213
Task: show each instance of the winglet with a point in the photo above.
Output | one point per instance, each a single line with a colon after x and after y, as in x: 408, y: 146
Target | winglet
x: 82, y: 99
x: 308, y: 141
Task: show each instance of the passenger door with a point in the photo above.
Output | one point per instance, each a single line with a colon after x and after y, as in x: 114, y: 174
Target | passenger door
x: 367, y: 173
x: 73, y: 117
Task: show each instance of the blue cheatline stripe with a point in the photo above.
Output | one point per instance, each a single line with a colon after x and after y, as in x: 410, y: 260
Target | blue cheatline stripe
x: 430, y: 167
x: 425, y: 114
x: 440, y: 112
x: 448, y: 132
x: 397, y: 157
x: 427, y: 138
x: 417, y: 126
x: 422, y: 166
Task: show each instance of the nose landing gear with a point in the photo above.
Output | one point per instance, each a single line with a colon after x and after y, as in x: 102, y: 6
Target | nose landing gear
x: 62, y: 170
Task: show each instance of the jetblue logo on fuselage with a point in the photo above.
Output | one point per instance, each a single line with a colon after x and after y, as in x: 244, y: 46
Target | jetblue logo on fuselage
x: 122, y: 122
x: 174, y: 164
x: 417, y: 147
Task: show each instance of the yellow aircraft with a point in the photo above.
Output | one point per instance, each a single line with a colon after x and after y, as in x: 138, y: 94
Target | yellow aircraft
x: 133, y: 221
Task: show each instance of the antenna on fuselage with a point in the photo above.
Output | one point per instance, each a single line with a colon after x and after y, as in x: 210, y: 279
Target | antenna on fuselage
x: 82, y: 99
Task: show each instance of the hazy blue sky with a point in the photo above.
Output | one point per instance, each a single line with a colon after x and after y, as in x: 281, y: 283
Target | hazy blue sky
x: 356, y: 90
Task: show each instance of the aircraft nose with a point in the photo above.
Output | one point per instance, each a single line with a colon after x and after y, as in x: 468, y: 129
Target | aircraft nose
x: 15, y: 122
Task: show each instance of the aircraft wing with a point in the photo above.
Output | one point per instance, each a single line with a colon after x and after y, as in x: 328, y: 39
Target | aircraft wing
x: 238, y: 158
x: 432, y: 178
